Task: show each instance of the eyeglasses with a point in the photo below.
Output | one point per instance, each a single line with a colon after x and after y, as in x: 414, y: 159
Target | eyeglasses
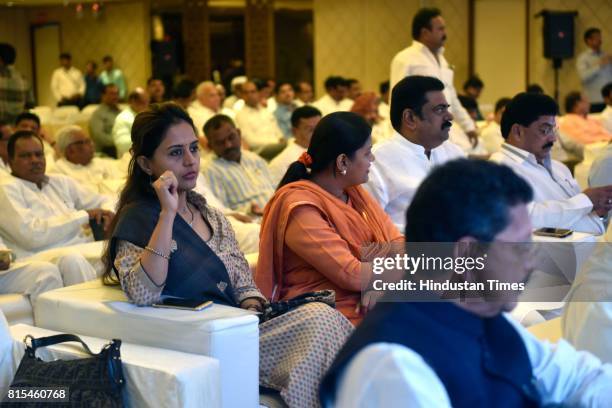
x: 548, y: 130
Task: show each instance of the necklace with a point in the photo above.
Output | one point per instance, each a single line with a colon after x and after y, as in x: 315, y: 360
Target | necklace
x: 184, y: 210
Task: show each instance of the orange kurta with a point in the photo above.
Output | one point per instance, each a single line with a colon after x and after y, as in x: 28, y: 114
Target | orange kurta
x: 584, y: 130
x: 311, y: 240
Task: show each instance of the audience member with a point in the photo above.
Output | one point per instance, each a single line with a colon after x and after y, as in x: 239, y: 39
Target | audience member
x: 77, y: 161
x: 317, y: 223
x: 366, y: 106
x: 464, y: 353
x: 169, y: 241
x: 14, y: 89
x: 285, y: 105
x: 112, y: 75
x: 384, y: 109
x: 207, y: 105
x: 353, y: 88
x: 600, y: 173
x: 257, y: 124
x: 303, y: 122
x: 528, y: 127
x: 534, y: 88
x: 594, y: 67
x: 472, y: 88
x: 425, y: 57
x: 103, y: 119
x: 576, y: 123
x: 470, y: 105
x: 236, y: 88
x: 138, y: 100
x: 606, y: 115
x: 421, y: 119
x: 239, y: 178
x: 304, y: 93
x: 5, y: 134
x: 41, y: 211
x: 183, y: 93
x: 93, y: 85
x: 335, y: 99
x: 156, y: 90
x: 31, y: 122
x: 491, y: 136
x: 67, y: 83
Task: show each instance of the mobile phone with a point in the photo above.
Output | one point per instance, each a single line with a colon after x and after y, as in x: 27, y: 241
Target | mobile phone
x: 183, y: 304
x: 6, y: 256
x: 553, y: 232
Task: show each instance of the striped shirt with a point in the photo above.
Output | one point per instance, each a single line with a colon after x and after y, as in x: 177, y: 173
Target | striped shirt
x: 238, y: 185
x: 14, y: 93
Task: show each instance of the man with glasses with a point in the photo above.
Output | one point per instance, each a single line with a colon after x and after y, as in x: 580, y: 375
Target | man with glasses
x: 421, y: 119
x: 529, y: 129
x: 77, y: 161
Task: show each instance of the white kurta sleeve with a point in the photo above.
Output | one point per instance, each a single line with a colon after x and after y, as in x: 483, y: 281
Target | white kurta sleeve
x: 56, y: 85
x: 460, y: 114
x: 566, y: 376
x: 87, y: 199
x: 559, y: 213
x: 34, y: 231
x: 390, y: 375
x: 586, y: 70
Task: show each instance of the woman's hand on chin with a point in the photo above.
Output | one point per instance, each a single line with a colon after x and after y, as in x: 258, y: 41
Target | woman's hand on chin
x: 166, y: 188
x: 253, y: 304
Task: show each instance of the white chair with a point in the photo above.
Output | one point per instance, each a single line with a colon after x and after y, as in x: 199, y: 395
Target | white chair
x: 45, y: 113
x: 228, y: 334
x: 154, y: 377
x: 65, y: 114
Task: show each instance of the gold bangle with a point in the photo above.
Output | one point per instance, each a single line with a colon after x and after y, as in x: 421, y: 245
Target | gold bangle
x: 158, y: 253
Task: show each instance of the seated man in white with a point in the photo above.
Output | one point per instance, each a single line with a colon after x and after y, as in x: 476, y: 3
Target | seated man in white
x: 239, y: 178
x: 528, y: 127
x: 490, y: 136
x: 30, y: 121
x: 138, y: 101
x: 303, y: 121
x: 421, y: 119
x: 246, y: 230
x: 462, y: 353
x: 207, y: 105
x: 577, y: 125
x: 257, y: 124
x: 77, y: 161
x: 335, y: 98
x: 41, y: 212
x: 5, y: 134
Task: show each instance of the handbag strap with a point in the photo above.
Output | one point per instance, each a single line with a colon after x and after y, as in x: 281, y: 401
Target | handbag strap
x: 56, y: 339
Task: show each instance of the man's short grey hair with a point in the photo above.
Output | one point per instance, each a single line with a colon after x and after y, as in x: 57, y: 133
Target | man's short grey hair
x: 203, y: 85
x: 65, y: 136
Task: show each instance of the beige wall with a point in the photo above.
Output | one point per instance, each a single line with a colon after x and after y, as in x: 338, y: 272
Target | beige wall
x: 15, y: 30
x: 123, y: 31
x: 358, y: 38
x: 597, y: 13
x: 502, y: 68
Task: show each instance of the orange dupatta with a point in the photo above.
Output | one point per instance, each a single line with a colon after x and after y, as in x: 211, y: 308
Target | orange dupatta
x: 355, y: 224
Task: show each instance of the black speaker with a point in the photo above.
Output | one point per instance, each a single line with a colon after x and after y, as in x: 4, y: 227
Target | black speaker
x: 558, y: 33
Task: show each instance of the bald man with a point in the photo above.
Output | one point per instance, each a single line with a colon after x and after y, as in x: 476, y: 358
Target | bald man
x: 206, y: 105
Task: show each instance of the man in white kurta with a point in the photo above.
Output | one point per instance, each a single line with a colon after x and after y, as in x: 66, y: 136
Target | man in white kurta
x: 335, y: 98
x: 138, y: 100
x: 257, y: 124
x: 77, y: 161
x: 40, y: 212
x: 426, y: 57
x: 528, y: 127
x: 419, y: 143
x: 207, y: 105
x: 67, y: 83
x: 303, y: 121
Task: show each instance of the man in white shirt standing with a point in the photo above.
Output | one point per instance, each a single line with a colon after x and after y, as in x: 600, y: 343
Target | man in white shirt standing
x: 335, y: 98
x: 528, y: 126
x: 138, y: 101
x: 77, y: 161
x: 422, y: 121
x: 303, y: 122
x: 67, y: 83
x: 257, y: 124
x: 594, y: 67
x: 41, y: 212
x: 460, y: 353
x: 426, y: 57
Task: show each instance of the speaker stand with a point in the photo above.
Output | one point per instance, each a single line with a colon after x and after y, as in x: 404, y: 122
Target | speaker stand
x: 557, y: 62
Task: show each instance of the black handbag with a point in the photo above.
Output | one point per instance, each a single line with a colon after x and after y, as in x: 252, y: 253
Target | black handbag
x: 274, y: 309
x: 95, y: 381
